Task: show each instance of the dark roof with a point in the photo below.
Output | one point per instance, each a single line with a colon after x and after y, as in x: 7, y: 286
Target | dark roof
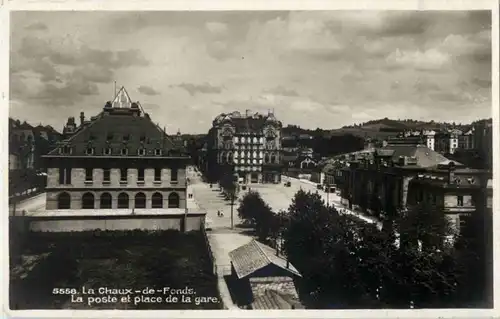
x: 273, y: 299
x: 249, y: 124
x: 253, y: 256
x: 121, y: 127
x: 425, y: 156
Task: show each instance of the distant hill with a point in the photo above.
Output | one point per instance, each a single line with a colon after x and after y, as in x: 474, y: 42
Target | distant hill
x: 377, y: 129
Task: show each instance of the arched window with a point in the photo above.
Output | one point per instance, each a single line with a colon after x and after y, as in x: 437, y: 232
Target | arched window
x: 229, y: 158
x: 63, y: 201
x: 173, y: 200
x: 105, y: 200
x: 140, y: 200
x: 157, y: 201
x: 123, y: 200
x: 88, y: 201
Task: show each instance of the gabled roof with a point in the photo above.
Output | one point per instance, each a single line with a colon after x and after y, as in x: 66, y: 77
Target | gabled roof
x: 122, y: 99
x: 254, y: 256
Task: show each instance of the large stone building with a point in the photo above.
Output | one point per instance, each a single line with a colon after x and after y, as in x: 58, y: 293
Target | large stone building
x: 248, y: 145
x: 118, y: 159
x: 399, y: 176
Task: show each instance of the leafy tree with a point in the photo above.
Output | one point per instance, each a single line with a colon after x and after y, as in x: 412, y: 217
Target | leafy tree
x: 475, y: 252
x: 253, y: 208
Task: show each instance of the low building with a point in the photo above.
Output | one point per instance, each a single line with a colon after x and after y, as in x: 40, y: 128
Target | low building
x: 260, y: 276
x: 119, y: 159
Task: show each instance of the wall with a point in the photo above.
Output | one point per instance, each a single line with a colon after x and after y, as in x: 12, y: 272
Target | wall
x: 450, y: 200
x: 68, y: 224
x: 78, y: 178
x: 76, y: 197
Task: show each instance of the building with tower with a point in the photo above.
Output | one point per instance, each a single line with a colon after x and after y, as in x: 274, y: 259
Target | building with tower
x: 247, y: 145
x: 118, y: 159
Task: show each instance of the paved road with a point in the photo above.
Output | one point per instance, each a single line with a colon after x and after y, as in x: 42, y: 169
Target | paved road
x: 33, y: 204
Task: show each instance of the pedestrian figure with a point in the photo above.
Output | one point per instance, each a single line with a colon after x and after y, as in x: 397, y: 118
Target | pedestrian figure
x: 218, y: 213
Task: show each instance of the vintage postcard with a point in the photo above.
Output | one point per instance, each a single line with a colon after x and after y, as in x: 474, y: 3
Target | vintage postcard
x: 291, y: 162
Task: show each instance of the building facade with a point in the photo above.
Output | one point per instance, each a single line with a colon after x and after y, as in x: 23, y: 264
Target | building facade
x: 456, y: 191
x: 118, y: 159
x: 483, y: 140
x: 247, y: 145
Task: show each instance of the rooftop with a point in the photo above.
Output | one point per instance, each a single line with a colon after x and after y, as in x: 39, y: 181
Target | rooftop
x: 122, y: 124
x: 424, y: 156
x: 254, y: 256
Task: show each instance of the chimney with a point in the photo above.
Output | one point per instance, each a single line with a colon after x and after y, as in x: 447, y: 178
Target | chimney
x: 82, y: 118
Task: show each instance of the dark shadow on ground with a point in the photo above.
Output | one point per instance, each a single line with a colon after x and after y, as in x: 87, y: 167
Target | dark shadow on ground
x: 239, y: 291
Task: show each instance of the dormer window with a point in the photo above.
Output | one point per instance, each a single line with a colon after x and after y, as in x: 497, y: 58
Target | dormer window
x: 89, y: 151
x: 158, y: 152
x: 141, y: 152
x: 124, y: 151
x: 66, y: 150
x: 107, y: 151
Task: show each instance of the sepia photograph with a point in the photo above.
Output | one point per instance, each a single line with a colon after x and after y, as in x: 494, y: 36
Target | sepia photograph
x: 250, y: 160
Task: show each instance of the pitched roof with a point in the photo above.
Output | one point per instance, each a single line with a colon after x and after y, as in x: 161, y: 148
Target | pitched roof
x: 253, y: 256
x: 121, y: 125
x: 425, y: 156
x: 272, y: 299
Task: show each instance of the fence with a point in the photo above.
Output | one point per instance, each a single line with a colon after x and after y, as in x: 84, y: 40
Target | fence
x: 209, y: 249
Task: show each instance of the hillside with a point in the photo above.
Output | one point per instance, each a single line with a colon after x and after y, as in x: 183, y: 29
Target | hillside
x: 377, y: 129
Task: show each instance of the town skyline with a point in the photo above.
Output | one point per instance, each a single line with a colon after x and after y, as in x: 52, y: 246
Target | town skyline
x: 314, y: 69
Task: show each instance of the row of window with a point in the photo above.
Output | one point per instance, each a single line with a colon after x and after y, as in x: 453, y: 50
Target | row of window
x: 123, y: 151
x: 432, y: 198
x: 105, y: 200
x: 67, y: 150
x: 65, y: 175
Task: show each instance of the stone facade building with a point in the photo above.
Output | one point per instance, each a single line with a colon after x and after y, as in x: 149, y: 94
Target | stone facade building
x: 118, y: 159
x: 247, y: 145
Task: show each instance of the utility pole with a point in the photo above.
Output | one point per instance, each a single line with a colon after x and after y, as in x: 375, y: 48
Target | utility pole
x: 232, y: 210
x: 327, y: 189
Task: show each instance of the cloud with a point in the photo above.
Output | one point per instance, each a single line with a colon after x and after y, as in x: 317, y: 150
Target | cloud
x: 279, y: 90
x: 205, y: 88
x: 37, y: 26
x: 92, y: 73
x: 427, y: 60
x: 55, y: 95
x: 147, y: 90
x: 68, y: 54
x: 216, y: 27
x: 344, y: 65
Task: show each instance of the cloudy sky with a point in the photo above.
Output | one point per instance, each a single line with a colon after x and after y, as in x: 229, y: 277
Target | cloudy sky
x: 315, y: 69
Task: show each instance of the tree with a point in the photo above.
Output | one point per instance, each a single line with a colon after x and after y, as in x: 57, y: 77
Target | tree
x: 253, y: 209
x: 475, y: 252
x: 426, y: 264
x: 230, y: 187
